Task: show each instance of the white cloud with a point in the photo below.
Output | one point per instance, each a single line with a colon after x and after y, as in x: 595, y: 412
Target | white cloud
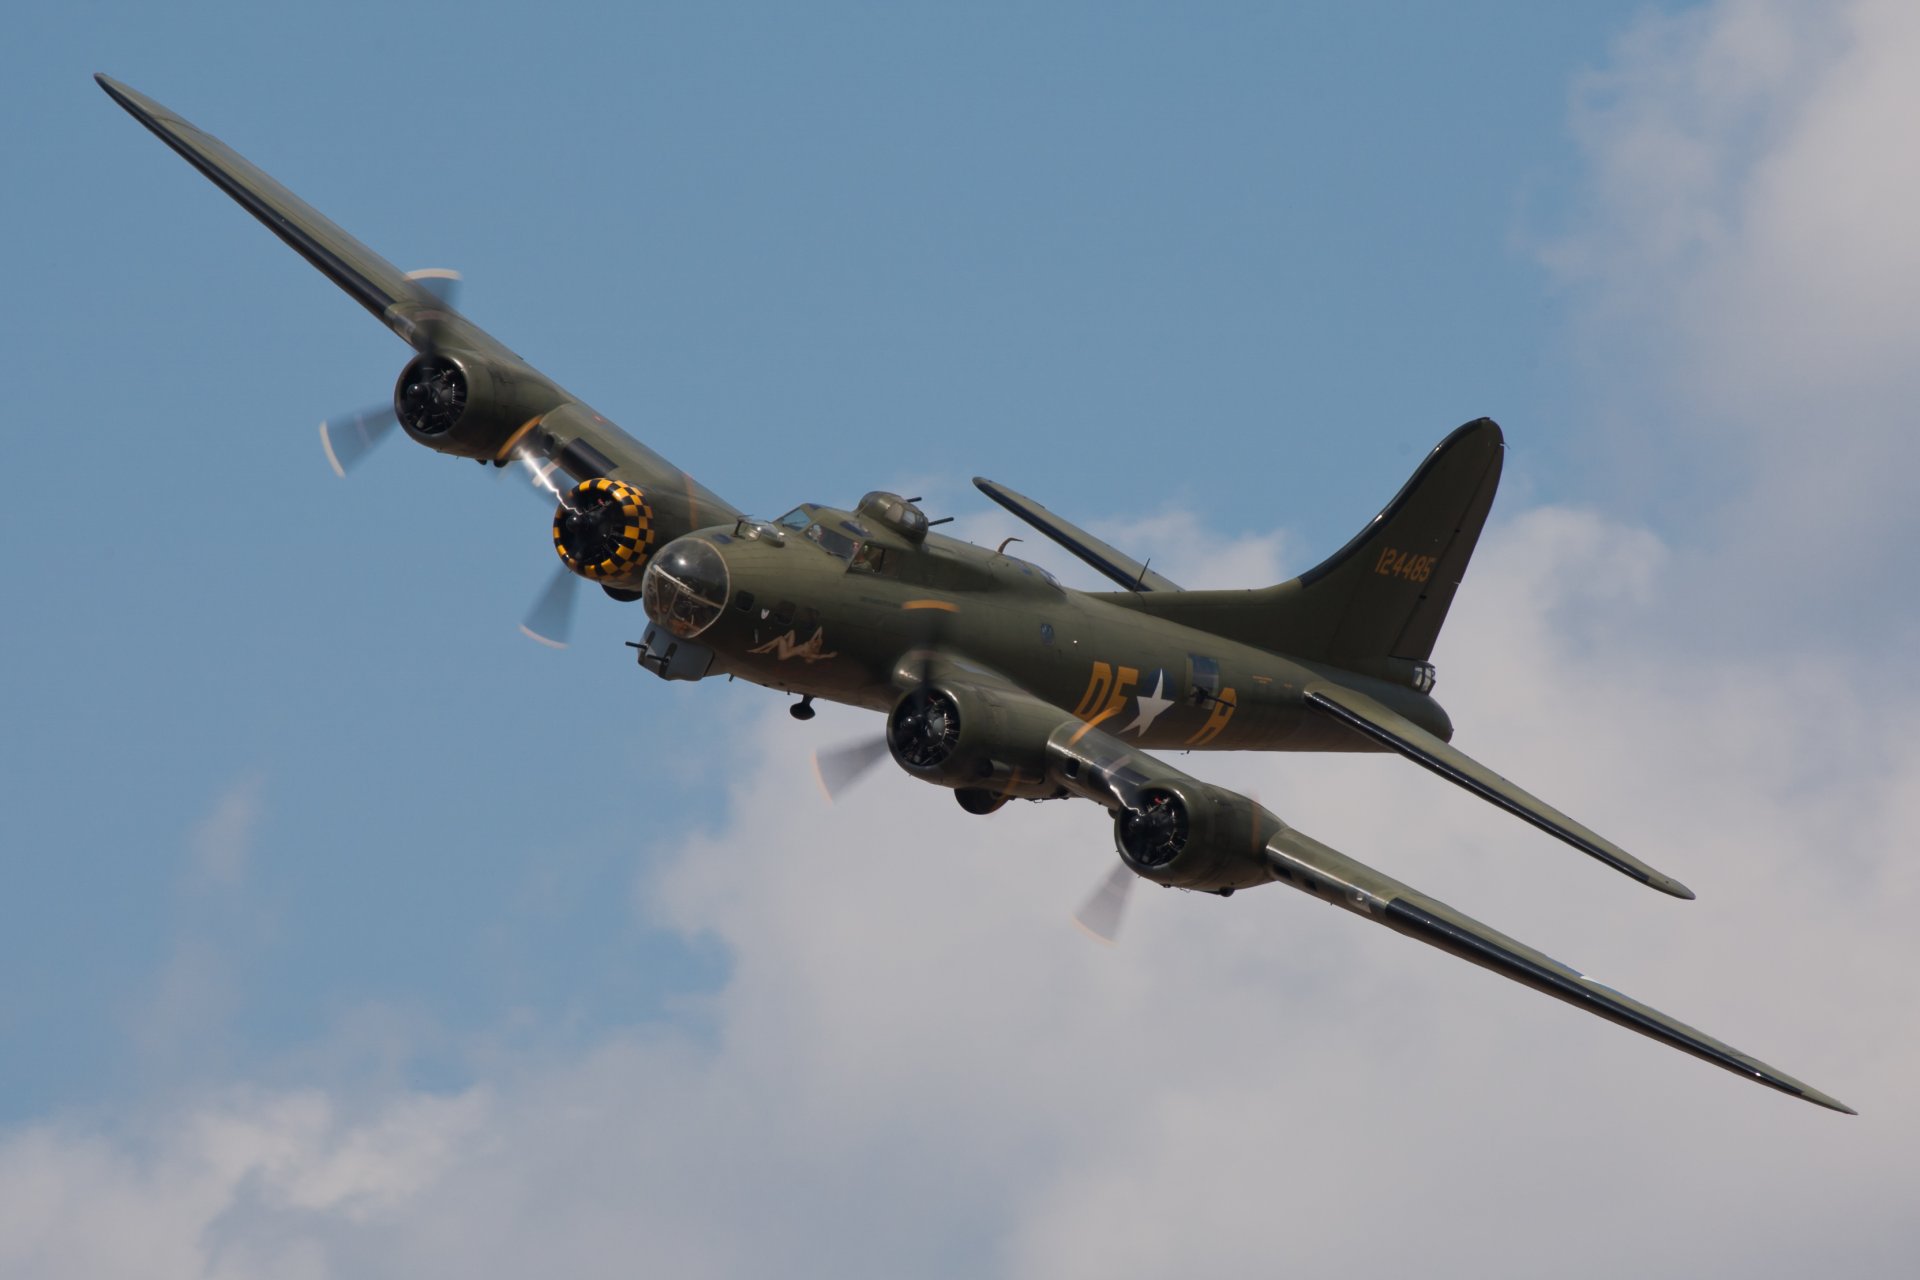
x: 194, y: 993
x: 222, y: 842
x: 1747, y: 238
x: 247, y: 1185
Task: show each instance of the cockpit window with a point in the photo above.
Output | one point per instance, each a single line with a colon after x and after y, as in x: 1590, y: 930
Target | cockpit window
x: 796, y: 519
x: 868, y: 559
x: 835, y: 542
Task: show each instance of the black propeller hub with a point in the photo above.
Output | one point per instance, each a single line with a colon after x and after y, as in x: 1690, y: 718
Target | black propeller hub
x: 924, y: 729
x: 1154, y: 834
x: 431, y: 395
x: 593, y: 529
x: 603, y: 529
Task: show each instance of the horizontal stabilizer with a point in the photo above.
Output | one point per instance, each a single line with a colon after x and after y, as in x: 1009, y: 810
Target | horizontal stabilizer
x: 1123, y: 569
x: 1395, y: 731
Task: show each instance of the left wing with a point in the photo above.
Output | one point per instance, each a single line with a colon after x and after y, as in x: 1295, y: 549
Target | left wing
x: 1176, y: 830
x: 545, y: 418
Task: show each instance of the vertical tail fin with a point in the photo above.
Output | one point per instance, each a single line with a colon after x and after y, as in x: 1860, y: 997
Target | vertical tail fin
x: 1375, y: 606
x: 1385, y: 594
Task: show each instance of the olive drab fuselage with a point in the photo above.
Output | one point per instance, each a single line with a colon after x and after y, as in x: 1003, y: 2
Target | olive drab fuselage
x: 827, y: 608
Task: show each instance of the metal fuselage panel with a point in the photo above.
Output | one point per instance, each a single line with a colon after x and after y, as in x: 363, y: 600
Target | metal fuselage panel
x: 803, y: 620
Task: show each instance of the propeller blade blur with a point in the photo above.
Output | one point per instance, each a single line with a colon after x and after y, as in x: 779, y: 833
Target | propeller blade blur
x: 1100, y: 914
x: 353, y: 438
x: 543, y: 475
x: 442, y: 282
x: 551, y: 619
x: 838, y: 768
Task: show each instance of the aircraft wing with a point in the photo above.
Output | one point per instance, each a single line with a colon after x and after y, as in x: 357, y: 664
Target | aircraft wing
x: 1177, y: 830
x: 1393, y: 730
x: 1308, y: 865
x: 1122, y: 568
x: 579, y: 440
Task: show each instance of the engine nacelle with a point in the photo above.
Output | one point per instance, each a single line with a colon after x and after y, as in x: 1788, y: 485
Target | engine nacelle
x: 604, y: 531
x: 974, y: 739
x: 1190, y: 835
x: 468, y: 406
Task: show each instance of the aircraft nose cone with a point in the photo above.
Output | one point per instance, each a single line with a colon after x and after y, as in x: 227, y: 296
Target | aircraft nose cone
x: 686, y: 586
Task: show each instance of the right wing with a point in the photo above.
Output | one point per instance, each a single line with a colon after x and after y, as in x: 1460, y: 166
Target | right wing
x: 571, y: 435
x: 1312, y: 867
x: 1194, y: 835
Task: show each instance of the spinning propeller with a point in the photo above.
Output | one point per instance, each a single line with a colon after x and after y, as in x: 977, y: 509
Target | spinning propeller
x: 921, y: 724
x: 354, y: 437
x: 1100, y: 915
x: 922, y: 730
x: 432, y: 391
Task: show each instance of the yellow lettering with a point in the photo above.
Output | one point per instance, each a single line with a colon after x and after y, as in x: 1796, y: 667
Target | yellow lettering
x: 1097, y: 685
x: 1122, y: 685
x: 1223, y: 709
x: 1395, y: 563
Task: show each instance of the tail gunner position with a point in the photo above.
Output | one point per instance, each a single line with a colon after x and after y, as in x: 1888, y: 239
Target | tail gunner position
x: 995, y: 681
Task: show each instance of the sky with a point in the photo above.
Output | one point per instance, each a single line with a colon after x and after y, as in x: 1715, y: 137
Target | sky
x: 348, y: 933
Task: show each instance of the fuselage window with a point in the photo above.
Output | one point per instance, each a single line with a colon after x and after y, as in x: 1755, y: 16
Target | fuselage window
x: 838, y: 544
x: 1203, y: 679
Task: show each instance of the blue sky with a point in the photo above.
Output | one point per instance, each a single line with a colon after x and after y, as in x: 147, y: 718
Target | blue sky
x: 292, y: 811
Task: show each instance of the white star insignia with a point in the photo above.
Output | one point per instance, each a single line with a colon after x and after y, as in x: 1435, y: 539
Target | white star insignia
x: 1151, y: 705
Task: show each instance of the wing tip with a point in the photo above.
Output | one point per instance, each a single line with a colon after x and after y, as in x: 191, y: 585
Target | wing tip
x: 1668, y: 885
x: 1820, y: 1099
x: 123, y: 94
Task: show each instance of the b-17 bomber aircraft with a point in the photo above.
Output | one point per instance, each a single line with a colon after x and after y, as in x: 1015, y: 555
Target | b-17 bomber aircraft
x: 995, y: 680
